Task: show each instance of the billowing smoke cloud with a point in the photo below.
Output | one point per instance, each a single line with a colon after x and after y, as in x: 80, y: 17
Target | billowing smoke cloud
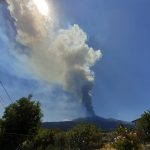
x: 55, y: 55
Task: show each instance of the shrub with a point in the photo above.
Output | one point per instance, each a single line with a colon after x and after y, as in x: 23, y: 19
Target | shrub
x: 125, y: 139
x: 84, y: 137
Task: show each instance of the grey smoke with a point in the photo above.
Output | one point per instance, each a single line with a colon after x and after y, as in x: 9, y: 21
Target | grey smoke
x: 57, y: 56
x: 87, y: 100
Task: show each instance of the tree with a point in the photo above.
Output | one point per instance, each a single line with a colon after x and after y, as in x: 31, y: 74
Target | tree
x: 19, y: 122
x: 125, y: 139
x: 143, y: 126
x: 84, y: 137
x: 44, y: 140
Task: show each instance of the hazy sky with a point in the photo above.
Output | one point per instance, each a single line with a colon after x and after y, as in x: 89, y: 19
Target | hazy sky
x: 121, y: 29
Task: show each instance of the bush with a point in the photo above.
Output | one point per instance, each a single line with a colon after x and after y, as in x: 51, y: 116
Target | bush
x: 45, y: 138
x: 143, y: 126
x: 125, y: 139
x: 84, y: 137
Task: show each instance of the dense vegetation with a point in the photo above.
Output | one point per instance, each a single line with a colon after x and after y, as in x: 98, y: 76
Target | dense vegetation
x: 20, y: 121
x: 20, y: 129
x: 143, y: 127
x: 126, y: 139
x: 83, y: 136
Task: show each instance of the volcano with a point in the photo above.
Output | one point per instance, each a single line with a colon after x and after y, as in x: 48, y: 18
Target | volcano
x: 100, y: 122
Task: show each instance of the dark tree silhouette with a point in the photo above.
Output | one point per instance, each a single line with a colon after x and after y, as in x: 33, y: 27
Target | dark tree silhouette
x: 19, y: 122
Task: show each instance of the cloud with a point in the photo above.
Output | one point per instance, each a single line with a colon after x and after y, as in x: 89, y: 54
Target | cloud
x: 57, y: 56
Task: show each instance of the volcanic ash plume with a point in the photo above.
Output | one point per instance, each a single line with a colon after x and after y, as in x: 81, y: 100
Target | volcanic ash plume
x: 58, y: 56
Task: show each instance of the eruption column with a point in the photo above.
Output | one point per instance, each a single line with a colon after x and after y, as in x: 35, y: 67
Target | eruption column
x: 58, y: 56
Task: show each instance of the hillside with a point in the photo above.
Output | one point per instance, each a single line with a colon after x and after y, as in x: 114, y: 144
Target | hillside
x: 102, y: 123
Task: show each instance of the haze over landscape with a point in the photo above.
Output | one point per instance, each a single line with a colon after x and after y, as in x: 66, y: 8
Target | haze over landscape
x: 55, y: 53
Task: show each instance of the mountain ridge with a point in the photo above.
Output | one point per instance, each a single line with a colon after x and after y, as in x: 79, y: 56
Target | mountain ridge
x: 105, y: 124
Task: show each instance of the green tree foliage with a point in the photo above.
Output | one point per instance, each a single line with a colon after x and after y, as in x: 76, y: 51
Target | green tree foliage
x: 45, y: 139
x: 20, y: 130
x: 81, y: 137
x: 84, y: 137
x: 143, y: 126
x: 19, y: 122
x: 61, y: 141
x: 125, y: 139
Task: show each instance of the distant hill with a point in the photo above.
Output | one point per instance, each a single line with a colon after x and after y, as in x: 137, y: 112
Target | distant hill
x: 102, y: 123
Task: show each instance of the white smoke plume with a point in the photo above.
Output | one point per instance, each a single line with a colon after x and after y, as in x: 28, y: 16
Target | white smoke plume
x: 58, y: 56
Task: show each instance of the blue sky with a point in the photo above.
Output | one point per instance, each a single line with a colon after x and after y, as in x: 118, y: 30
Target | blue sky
x: 121, y: 29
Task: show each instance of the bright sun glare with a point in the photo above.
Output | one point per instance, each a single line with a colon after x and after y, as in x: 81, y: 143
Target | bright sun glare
x: 42, y: 7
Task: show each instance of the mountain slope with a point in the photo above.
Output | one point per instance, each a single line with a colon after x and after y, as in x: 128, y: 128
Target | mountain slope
x: 102, y: 123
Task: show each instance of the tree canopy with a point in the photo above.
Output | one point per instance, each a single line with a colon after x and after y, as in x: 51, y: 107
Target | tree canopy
x: 19, y: 122
x: 84, y: 136
x: 143, y: 126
